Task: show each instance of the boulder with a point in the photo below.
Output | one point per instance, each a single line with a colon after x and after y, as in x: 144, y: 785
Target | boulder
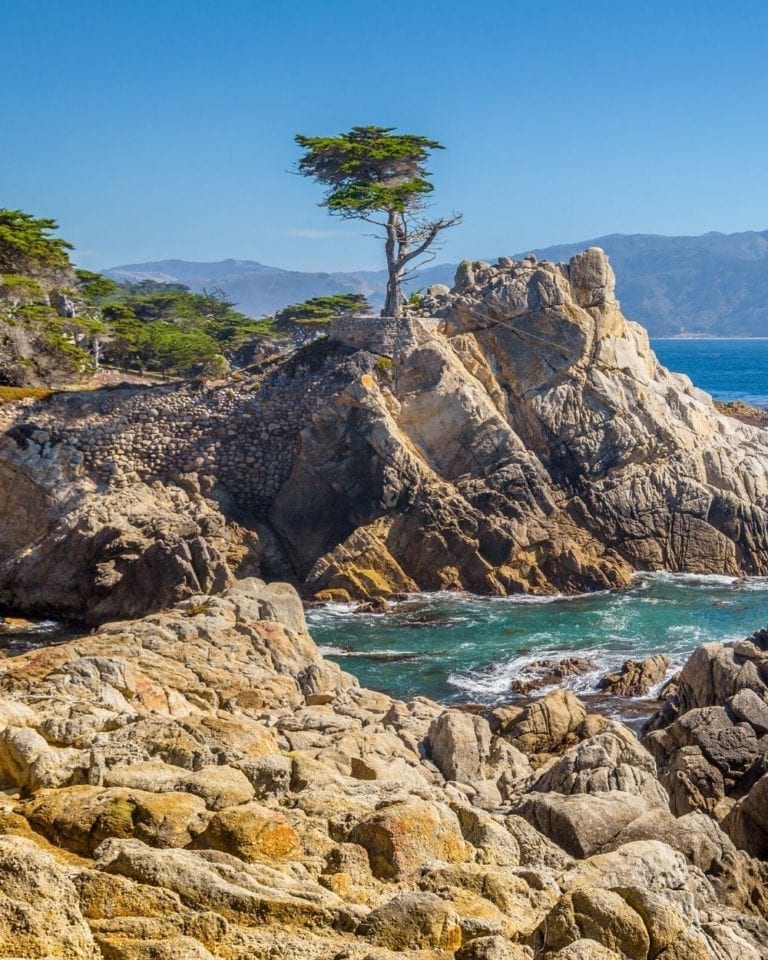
x: 599, y: 915
x: 252, y: 833
x: 548, y: 724
x: 208, y: 880
x: 610, y: 760
x: 464, y: 749
x: 39, y: 911
x: 413, y: 921
x: 747, y: 822
x: 80, y: 818
x: 402, y: 837
x: 581, y: 824
x: 493, y: 948
x: 636, y: 677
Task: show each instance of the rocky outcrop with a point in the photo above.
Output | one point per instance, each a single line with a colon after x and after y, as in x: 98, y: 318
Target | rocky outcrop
x: 76, y: 551
x: 517, y: 435
x: 202, y: 784
x: 710, y: 739
x: 636, y: 677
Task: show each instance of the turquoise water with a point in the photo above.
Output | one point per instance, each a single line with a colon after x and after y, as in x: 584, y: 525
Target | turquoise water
x: 728, y: 369
x: 461, y: 648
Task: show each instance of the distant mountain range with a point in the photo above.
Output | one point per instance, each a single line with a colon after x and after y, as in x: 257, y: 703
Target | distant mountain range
x: 715, y: 284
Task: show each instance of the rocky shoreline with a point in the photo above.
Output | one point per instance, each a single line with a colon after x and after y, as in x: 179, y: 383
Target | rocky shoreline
x: 200, y: 783
x: 515, y: 434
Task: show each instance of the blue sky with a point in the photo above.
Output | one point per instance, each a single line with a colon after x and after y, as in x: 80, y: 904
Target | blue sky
x: 163, y: 129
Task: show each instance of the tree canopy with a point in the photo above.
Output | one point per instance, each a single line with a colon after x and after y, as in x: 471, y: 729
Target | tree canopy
x: 321, y: 310
x: 377, y: 175
x: 26, y: 243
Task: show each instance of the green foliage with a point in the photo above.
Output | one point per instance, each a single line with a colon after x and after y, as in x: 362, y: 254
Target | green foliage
x: 168, y: 328
x: 26, y: 243
x: 414, y: 300
x: 368, y: 169
x: 94, y: 287
x: 145, y: 324
x: 319, y: 311
x: 17, y: 285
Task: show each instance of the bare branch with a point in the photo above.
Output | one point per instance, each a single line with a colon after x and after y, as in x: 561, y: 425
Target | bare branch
x: 427, y: 233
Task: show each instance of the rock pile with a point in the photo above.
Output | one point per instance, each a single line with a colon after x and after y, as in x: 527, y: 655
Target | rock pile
x: 202, y: 784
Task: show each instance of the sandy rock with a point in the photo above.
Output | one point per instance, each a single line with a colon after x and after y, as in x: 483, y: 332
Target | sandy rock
x: 750, y: 707
x: 413, y: 921
x: 105, y: 896
x: 611, y: 760
x: 581, y: 824
x: 600, y: 915
x: 545, y: 725
x: 39, y: 911
x: 464, y: 749
x: 493, y: 948
x: 252, y: 833
x: 209, y: 880
x: 174, y: 948
x: 219, y: 787
x: 586, y: 949
x: 80, y: 818
x: 401, y: 838
x: 747, y: 822
x: 147, y: 547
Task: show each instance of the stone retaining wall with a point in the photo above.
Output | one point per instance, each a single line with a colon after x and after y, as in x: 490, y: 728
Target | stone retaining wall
x: 242, y: 435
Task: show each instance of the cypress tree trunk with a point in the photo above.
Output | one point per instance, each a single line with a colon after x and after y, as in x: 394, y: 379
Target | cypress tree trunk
x: 393, y: 306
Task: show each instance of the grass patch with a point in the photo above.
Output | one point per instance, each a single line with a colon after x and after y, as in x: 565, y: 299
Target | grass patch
x: 12, y: 394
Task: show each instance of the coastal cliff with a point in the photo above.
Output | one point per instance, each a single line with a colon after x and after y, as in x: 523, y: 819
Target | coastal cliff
x: 516, y: 433
x: 202, y: 784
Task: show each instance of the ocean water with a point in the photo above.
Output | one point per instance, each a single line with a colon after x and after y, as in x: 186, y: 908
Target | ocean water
x: 458, y: 648
x: 728, y: 369
x: 467, y: 649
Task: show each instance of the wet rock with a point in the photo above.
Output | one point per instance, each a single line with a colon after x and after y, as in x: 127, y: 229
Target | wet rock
x: 548, y: 672
x: 636, y: 677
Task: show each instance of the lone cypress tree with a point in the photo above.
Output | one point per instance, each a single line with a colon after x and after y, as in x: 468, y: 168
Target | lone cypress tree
x: 379, y: 176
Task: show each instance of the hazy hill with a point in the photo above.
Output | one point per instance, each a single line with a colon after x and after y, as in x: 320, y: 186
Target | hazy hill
x: 714, y: 284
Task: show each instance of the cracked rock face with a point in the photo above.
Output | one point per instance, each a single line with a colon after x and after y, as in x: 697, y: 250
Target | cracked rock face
x: 524, y: 437
x: 202, y: 784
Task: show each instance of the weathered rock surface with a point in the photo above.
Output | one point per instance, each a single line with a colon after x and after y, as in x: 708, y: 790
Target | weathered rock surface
x: 518, y: 436
x: 636, y: 677
x: 201, y: 784
x: 71, y: 549
x: 710, y: 740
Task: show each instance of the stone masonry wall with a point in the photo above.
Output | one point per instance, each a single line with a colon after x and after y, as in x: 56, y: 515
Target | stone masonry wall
x: 242, y: 435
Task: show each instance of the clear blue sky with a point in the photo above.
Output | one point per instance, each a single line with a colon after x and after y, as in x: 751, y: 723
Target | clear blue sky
x: 165, y: 129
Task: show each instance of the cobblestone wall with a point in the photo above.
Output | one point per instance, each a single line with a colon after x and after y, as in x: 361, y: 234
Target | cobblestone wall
x: 242, y: 435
